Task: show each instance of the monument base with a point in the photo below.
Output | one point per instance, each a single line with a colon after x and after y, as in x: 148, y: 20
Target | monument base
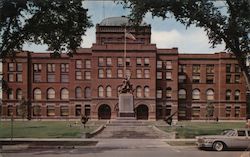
x: 126, y: 105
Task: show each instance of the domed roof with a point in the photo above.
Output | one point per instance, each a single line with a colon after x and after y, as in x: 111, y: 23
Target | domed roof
x: 116, y: 21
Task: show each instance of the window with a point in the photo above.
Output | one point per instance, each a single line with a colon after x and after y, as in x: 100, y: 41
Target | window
x: 100, y: 91
x: 146, y: 92
x: 237, y: 79
x: 51, y: 67
x: 51, y: 77
x: 210, y: 79
x: 237, y: 95
x: 237, y: 68
x: 87, y: 92
x: 109, y: 91
x: 228, y: 94
x: 228, y: 68
x: 19, y: 77
x: 64, y: 110
x: 138, y: 61
x: 37, y: 77
x: 78, y: 75
x: 120, y: 73
x: 51, y: 94
x: 168, y: 64
x: 196, y: 69
x: 159, y: 64
x: 196, y: 111
x: 109, y: 61
x: 128, y: 73
x: 87, y: 64
x: 37, y: 94
x: 196, y: 94
x: 182, y: 94
x: 50, y: 110
x: 168, y: 93
x: 241, y: 133
x: 182, y: 68
x: 146, y: 61
x: 100, y: 73
x: 78, y: 110
x: 11, y: 66
x: 19, y: 67
x: 210, y: 69
x: 228, y: 78
x: 101, y: 61
x: 196, y: 79
x: 120, y: 62
x: 159, y: 93
x: 87, y: 75
x: 10, y: 110
x: 146, y: 73
x: 237, y: 111
x: 87, y: 110
x: 228, y: 111
x: 19, y: 94
x: 11, y: 77
x: 182, y: 78
x: 78, y: 64
x: 159, y: 75
x: 127, y: 61
x: 169, y: 75
x: 64, y: 94
x: 138, y: 92
x: 109, y: 73
x: 78, y: 92
x: 138, y: 73
x: 210, y: 94
x: 36, y: 110
x: 37, y: 67
x: 65, y: 67
x: 64, y: 78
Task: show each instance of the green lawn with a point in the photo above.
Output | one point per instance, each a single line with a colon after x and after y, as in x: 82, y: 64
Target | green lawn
x: 191, y: 129
x: 46, y: 129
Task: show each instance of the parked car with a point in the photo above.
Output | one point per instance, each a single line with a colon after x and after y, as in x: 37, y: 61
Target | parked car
x: 234, y: 138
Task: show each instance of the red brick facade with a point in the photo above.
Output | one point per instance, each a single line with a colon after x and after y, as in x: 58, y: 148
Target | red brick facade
x: 165, y: 81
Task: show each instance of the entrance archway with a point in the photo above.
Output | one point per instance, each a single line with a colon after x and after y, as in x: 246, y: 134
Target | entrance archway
x: 104, y: 112
x: 142, y: 112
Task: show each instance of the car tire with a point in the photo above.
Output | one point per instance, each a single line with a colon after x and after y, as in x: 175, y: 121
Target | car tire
x: 218, y: 146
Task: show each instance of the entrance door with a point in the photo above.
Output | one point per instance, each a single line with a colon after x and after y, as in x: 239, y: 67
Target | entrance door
x: 142, y: 112
x: 104, y: 112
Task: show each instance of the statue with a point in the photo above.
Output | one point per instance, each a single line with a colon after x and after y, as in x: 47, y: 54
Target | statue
x: 126, y: 87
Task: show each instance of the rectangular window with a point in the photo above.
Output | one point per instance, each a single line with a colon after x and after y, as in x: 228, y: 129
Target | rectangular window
x: 237, y: 68
x: 100, y: 73
x: 19, y: 67
x: 51, y: 68
x: 237, y: 79
x: 168, y: 64
x: 65, y: 67
x: 78, y: 110
x: 228, y: 68
x: 159, y: 64
x: 64, y: 78
x: 210, y: 79
x: 120, y: 73
x: 196, y: 68
x: 87, y: 110
x: 11, y: 66
x: 128, y: 73
x: 159, y: 93
x: 228, y: 111
x: 120, y: 62
x: 196, y: 111
x: 50, y: 110
x: 159, y: 75
x: 109, y: 61
x: 109, y: 73
x: 196, y: 79
x: 169, y: 75
x: 87, y: 64
x: 138, y: 61
x: 146, y: 73
x: 37, y: 67
x: 101, y: 61
x: 168, y: 93
x: 182, y: 112
x: 51, y: 77
x: 37, y: 77
x: 138, y: 73
x: 146, y: 61
x: 78, y: 64
x: 78, y: 75
x: 237, y: 111
x: 228, y: 78
x: 11, y: 77
x: 19, y: 77
x: 64, y: 110
x: 87, y: 75
x: 127, y: 61
x: 210, y: 69
x: 182, y: 78
x: 182, y: 68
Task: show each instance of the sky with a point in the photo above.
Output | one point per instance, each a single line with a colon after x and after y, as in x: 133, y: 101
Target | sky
x: 165, y: 33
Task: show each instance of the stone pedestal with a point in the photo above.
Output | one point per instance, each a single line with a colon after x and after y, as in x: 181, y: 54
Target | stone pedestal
x: 126, y: 105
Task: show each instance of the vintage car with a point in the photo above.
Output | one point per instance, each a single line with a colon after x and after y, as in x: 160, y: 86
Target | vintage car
x: 234, y: 138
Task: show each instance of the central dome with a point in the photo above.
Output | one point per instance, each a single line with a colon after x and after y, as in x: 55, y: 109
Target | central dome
x: 117, y: 21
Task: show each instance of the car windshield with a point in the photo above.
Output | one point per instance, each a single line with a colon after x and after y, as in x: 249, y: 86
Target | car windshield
x: 228, y: 132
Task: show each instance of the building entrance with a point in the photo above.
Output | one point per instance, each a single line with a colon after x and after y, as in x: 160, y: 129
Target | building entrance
x: 142, y: 112
x: 104, y: 112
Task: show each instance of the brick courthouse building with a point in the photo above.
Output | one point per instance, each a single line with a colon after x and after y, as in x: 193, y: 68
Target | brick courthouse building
x: 87, y: 83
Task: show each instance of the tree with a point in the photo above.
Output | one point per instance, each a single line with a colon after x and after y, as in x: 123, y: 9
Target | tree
x: 209, y: 110
x: 232, y: 28
x: 58, y: 23
x: 23, y: 108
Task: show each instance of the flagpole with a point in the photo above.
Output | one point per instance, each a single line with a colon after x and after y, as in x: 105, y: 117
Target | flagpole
x: 125, y: 51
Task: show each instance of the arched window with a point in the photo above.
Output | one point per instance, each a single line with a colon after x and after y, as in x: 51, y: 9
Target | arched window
x: 37, y: 94
x: 237, y: 95
x: 168, y: 93
x: 87, y: 92
x: 19, y: 94
x: 210, y: 94
x: 196, y: 94
x: 182, y: 94
x: 51, y: 94
x: 78, y: 92
x: 64, y: 94
x: 109, y: 91
x: 146, y: 91
x: 100, y: 91
x: 228, y: 94
x: 138, y: 92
